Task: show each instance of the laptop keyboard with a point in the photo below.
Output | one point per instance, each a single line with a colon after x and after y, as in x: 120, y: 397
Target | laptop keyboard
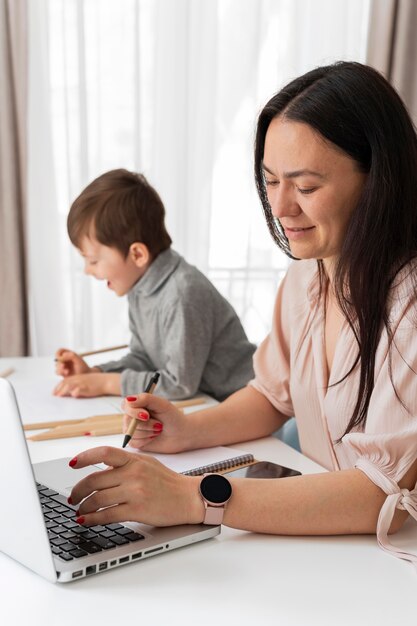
x: 71, y: 541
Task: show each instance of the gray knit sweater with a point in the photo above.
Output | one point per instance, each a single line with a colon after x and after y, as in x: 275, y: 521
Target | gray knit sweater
x: 183, y: 328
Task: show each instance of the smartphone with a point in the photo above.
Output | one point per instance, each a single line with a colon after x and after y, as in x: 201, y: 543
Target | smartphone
x: 262, y: 469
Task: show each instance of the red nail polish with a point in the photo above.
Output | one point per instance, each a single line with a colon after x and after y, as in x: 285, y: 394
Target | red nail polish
x: 69, y: 500
x: 158, y: 427
x: 73, y: 462
x: 80, y: 520
x: 143, y: 416
x: 131, y: 398
x: 77, y: 512
x: 87, y: 434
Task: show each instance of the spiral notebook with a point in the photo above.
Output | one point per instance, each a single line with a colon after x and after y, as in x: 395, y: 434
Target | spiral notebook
x: 198, y: 462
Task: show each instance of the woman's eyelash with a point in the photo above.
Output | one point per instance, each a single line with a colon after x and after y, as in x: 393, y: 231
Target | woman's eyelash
x: 306, y: 191
x: 303, y: 190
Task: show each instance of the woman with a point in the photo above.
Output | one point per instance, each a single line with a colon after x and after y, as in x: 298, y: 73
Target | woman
x: 336, y: 171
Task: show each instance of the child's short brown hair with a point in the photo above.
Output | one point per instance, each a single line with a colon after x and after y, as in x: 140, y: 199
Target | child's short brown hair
x: 119, y: 208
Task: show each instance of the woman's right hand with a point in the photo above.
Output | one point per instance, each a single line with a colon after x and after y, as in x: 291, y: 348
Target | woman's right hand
x: 161, y: 427
x: 69, y: 363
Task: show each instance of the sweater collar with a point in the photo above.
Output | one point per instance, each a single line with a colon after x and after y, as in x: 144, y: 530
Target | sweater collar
x: 157, y: 273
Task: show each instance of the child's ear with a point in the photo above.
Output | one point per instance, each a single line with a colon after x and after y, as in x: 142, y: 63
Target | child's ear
x: 139, y: 253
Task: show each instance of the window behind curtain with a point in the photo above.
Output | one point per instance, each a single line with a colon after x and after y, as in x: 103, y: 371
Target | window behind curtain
x: 171, y: 89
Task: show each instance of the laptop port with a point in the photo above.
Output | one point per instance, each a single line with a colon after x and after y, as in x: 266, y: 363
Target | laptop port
x: 77, y: 574
x: 113, y: 563
x: 154, y: 550
x: 102, y: 566
x: 137, y: 555
x: 124, y: 559
x: 91, y: 569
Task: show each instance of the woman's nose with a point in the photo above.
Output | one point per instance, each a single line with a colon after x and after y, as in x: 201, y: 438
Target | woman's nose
x: 283, y: 203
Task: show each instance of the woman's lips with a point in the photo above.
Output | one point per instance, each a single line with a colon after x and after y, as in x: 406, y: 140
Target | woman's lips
x: 297, y: 233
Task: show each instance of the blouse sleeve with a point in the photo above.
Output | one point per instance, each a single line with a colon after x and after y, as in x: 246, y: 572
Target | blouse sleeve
x: 387, y: 448
x: 378, y: 460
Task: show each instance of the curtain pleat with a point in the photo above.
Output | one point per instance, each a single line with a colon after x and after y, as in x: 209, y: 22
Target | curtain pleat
x: 392, y: 46
x: 13, y: 76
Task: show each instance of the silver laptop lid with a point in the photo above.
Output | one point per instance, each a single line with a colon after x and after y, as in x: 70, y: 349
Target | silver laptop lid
x: 23, y: 534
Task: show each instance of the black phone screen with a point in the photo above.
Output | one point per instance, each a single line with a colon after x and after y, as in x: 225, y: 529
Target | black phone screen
x: 263, y: 469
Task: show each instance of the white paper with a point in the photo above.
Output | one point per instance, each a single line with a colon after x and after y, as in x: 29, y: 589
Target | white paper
x: 37, y: 404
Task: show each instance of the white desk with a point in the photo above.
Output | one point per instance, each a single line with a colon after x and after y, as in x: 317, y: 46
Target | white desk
x: 235, y: 579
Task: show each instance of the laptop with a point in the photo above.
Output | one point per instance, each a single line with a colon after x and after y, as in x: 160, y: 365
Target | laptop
x: 37, y: 525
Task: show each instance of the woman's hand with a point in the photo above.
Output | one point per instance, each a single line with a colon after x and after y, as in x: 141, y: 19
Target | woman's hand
x: 161, y: 427
x: 69, y: 363
x: 135, y: 488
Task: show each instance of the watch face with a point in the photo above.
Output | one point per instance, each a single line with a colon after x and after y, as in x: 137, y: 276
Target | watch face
x: 215, y: 488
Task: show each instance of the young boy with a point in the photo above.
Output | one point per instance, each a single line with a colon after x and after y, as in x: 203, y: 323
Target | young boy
x: 181, y: 326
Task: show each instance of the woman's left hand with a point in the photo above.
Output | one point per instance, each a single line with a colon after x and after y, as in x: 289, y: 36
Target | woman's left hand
x: 136, y: 488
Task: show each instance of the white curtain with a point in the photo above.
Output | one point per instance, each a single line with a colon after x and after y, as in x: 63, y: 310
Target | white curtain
x: 170, y: 88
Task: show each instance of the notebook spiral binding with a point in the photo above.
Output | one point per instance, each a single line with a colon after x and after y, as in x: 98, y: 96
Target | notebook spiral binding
x: 243, y: 459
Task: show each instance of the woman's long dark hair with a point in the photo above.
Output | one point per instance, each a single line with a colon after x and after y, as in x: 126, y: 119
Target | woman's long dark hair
x: 356, y: 109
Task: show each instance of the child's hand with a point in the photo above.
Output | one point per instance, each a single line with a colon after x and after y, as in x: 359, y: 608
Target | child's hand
x: 89, y: 385
x: 136, y: 488
x: 69, y: 363
x: 161, y: 427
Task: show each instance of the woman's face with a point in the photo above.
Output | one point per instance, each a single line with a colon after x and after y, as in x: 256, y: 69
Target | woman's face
x: 312, y: 188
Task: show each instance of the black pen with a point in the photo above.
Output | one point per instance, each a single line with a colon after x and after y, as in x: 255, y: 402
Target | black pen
x: 132, y: 426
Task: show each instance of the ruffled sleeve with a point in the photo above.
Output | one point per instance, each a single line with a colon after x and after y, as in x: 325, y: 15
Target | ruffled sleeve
x: 385, y: 459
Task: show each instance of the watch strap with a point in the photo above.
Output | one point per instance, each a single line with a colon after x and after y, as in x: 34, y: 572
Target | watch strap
x: 213, y: 515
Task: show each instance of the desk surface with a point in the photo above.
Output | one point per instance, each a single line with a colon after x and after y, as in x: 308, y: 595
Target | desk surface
x: 238, y: 578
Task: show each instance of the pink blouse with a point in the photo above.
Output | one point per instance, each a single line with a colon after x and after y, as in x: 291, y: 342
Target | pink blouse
x: 291, y: 371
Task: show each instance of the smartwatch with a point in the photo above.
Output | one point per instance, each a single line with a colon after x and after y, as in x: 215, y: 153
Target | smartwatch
x: 216, y: 492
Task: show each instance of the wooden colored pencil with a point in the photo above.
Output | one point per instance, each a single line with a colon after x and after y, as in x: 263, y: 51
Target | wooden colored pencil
x: 5, y: 373
x: 99, y: 351
x: 79, y: 430
x: 85, y: 420
x: 100, y: 430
